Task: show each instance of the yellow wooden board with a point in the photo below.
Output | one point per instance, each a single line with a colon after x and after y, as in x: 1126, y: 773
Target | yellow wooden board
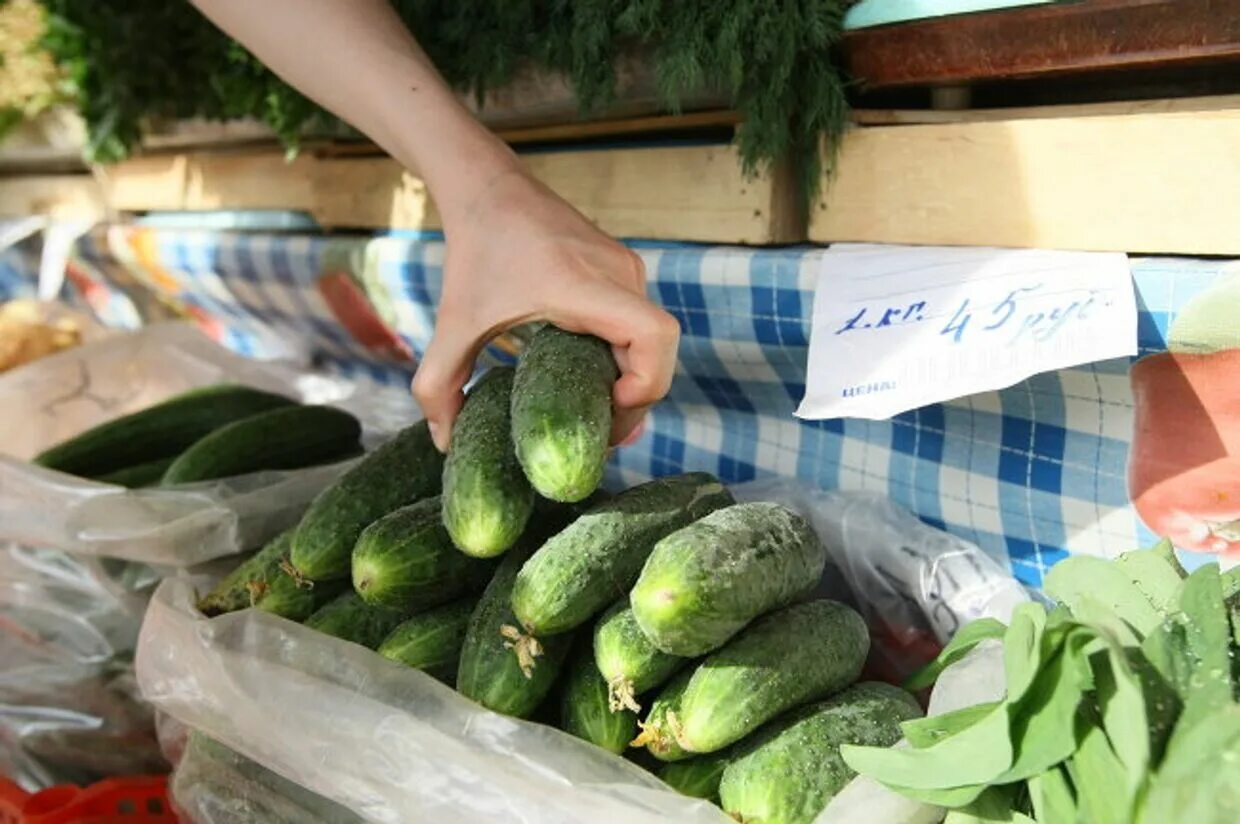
x: 1151, y: 181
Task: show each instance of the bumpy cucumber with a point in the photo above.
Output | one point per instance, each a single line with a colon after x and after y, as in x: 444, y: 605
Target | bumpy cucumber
x: 788, y: 772
x: 799, y: 654
x: 406, y: 559
x: 159, y: 431
x: 351, y: 618
x: 401, y: 471
x: 431, y: 641
x: 701, y: 585
x: 245, y: 584
x: 287, y: 438
x: 296, y: 599
x: 591, y: 563
x: 561, y: 412
x: 657, y: 735
x: 486, y: 499
x: 696, y: 777
x: 139, y: 475
x: 629, y: 663
x: 490, y: 672
x: 585, y: 706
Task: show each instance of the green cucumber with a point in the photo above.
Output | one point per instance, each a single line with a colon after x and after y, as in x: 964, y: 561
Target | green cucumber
x: 703, y: 584
x: 595, y: 560
x: 799, y: 654
x: 561, y: 412
x: 349, y: 617
x: 629, y: 663
x: 138, y: 475
x: 696, y: 777
x: 657, y: 734
x: 247, y: 582
x: 295, y: 599
x: 486, y: 499
x: 406, y: 559
x: 585, y: 705
x: 287, y: 438
x: 789, y: 771
x: 432, y: 641
x: 401, y: 471
x: 160, y: 431
x: 489, y: 672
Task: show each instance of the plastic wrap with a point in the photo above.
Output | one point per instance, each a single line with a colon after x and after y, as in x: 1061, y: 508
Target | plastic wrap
x: 59, y: 396
x: 394, y: 745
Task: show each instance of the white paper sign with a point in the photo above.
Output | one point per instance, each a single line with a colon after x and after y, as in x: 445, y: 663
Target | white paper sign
x: 899, y: 327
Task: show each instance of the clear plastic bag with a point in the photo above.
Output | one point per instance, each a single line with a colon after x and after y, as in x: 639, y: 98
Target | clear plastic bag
x: 59, y: 396
x: 394, y: 745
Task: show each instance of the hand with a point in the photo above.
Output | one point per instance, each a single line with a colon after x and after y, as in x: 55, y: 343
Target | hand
x: 519, y: 253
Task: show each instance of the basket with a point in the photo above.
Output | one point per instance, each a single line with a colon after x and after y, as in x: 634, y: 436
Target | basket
x: 132, y: 800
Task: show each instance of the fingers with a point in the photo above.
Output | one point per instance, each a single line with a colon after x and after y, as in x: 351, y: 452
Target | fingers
x: 441, y: 376
x: 627, y: 425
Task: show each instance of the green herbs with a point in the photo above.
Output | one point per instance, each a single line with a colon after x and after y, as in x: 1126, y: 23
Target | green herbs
x: 142, y: 59
x: 1120, y: 705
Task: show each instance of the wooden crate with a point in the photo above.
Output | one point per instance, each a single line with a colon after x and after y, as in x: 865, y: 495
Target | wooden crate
x: 1146, y: 177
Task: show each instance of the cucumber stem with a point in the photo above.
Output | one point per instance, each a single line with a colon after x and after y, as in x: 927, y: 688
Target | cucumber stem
x: 526, y: 647
x: 620, y: 695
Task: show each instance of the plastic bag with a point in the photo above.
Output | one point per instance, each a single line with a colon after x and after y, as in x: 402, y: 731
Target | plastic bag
x: 70, y: 711
x: 397, y: 746
x: 59, y: 396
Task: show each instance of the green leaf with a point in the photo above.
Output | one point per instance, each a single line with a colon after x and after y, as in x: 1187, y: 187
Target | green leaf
x: 1199, y: 780
x: 1054, y: 800
x: 1158, y: 581
x: 1207, y: 632
x: 928, y: 731
x: 950, y: 799
x: 1022, y: 648
x: 1044, y: 725
x: 1086, y: 577
x: 1165, y: 550
x: 1124, y: 716
x: 995, y: 806
x: 1099, y: 778
x: 969, y: 636
x: 1166, y: 649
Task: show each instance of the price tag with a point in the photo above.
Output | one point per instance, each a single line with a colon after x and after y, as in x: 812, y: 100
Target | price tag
x: 899, y: 327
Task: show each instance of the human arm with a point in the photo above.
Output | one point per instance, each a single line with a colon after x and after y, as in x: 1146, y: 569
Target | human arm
x: 516, y: 252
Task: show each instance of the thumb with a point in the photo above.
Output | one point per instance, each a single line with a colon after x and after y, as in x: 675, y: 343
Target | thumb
x: 441, y: 376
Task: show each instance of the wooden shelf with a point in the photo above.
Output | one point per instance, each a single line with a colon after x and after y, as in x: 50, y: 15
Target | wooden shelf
x: 1146, y: 178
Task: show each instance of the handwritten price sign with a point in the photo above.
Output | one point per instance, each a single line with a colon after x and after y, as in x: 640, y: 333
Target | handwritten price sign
x: 899, y: 327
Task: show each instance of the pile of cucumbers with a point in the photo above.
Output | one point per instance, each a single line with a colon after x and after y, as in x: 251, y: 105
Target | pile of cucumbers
x: 214, y: 432
x: 667, y: 622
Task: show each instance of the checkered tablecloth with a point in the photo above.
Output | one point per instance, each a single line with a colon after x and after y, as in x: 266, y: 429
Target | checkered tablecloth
x: 1030, y: 473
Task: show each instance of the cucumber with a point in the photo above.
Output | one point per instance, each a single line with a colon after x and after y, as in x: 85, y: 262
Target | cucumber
x: 287, y: 438
x: 159, y: 431
x: 799, y: 654
x: 401, y: 471
x: 704, y: 583
x: 432, y: 641
x: 406, y: 559
x: 489, y: 672
x: 696, y: 777
x: 295, y: 599
x: 561, y: 412
x: 249, y: 580
x: 627, y: 660
x: 657, y: 735
x: 584, y: 705
x: 788, y: 772
x: 595, y: 560
x: 138, y: 475
x: 349, y: 617
x: 486, y: 499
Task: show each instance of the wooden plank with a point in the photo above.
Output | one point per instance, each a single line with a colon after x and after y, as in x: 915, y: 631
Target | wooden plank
x: 1157, y: 183
x: 904, y: 117
x: 695, y: 193
x: 66, y: 197
x: 1045, y: 40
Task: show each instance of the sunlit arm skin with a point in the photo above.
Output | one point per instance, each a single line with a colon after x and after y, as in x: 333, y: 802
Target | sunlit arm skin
x: 516, y: 252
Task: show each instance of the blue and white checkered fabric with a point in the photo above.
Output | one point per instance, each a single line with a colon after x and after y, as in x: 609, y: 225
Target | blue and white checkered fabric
x: 1030, y: 473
